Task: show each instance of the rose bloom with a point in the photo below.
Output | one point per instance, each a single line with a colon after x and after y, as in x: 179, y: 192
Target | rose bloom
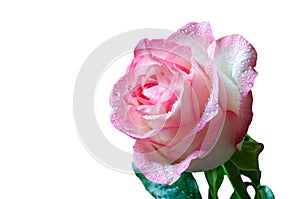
x: 186, y: 100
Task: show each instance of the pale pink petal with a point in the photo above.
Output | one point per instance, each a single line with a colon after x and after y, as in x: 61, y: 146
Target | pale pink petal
x: 168, y: 51
x: 199, y: 37
x: 196, y: 35
x: 124, y: 104
x: 232, y: 95
x: 155, y: 166
x: 223, y: 149
x: 245, y: 117
x: 216, y: 123
x: 212, y: 106
x: 203, y: 137
x: 164, y: 164
x: 200, y: 32
x: 187, y: 145
x: 193, y: 96
x: 119, y: 113
x: 235, y: 57
x: 201, y: 87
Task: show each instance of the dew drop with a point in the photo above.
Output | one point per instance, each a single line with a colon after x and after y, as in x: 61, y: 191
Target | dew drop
x: 169, y: 173
x: 170, y: 177
x: 250, y: 85
x: 248, y: 77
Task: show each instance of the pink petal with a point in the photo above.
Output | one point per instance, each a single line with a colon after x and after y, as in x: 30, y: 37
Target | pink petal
x: 121, y: 99
x: 182, y: 147
x: 196, y: 35
x: 212, y: 106
x: 119, y: 114
x: 245, y: 117
x: 178, y: 55
x: 155, y: 167
x: 235, y: 57
x: 187, y: 145
x: 192, y: 99
x: 223, y: 149
x: 213, y: 119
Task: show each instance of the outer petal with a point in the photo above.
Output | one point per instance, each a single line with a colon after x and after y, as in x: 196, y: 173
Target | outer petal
x: 218, y: 143
x: 223, y: 149
x: 119, y: 114
x: 155, y: 166
x: 214, y: 116
x: 235, y: 57
x: 196, y: 35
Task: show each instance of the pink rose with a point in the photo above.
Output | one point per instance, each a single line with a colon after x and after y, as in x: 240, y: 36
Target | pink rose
x: 186, y: 100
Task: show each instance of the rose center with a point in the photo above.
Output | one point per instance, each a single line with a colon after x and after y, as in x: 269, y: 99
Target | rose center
x: 154, y: 96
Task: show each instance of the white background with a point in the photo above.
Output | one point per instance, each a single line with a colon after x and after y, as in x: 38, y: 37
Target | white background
x: 42, y: 48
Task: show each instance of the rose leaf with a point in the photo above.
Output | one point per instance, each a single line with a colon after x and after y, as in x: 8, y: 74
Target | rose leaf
x: 247, y: 158
x: 245, y: 162
x: 184, y: 188
x: 264, y: 192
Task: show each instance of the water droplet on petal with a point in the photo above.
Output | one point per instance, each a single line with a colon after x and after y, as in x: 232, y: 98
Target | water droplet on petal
x: 250, y: 85
x: 169, y: 173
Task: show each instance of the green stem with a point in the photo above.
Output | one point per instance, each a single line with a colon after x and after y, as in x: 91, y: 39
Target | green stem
x: 236, y: 181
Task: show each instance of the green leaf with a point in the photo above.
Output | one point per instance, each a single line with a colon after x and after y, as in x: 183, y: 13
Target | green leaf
x: 245, y: 162
x: 247, y: 158
x: 234, y: 196
x: 254, y: 176
x: 184, y: 188
x: 264, y: 192
x: 215, y: 179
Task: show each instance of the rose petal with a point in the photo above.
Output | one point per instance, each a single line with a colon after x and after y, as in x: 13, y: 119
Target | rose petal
x: 156, y: 167
x: 187, y: 145
x: 215, y: 124
x: 212, y: 106
x: 196, y: 35
x: 159, y: 169
x: 235, y: 57
x: 245, y: 117
x: 223, y: 149
x: 168, y: 51
x: 121, y: 99
x: 198, y: 144
x: 119, y: 117
x: 193, y: 95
